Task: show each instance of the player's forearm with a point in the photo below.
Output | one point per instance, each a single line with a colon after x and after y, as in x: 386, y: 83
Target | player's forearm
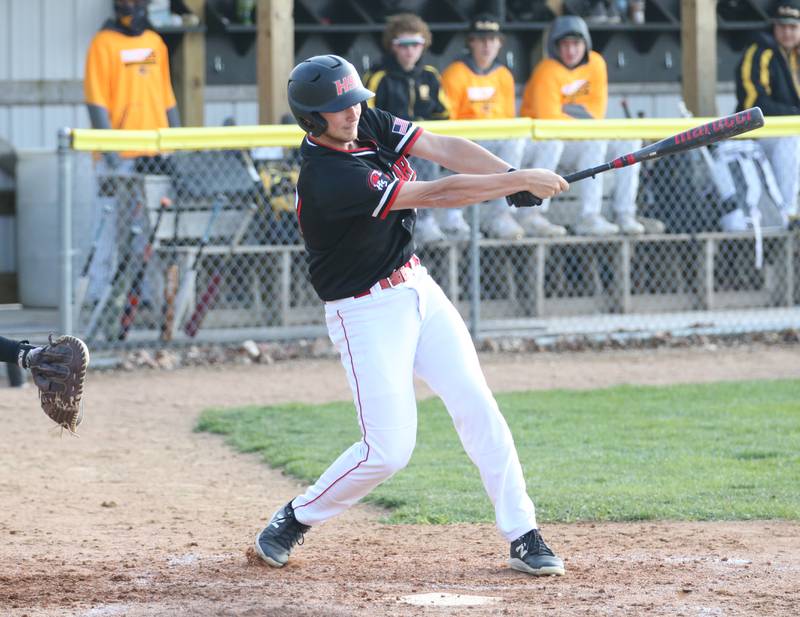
x: 457, y: 191
x: 173, y: 117
x: 98, y: 116
x: 9, y: 350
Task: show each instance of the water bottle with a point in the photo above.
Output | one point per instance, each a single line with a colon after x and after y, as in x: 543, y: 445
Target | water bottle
x: 637, y: 11
x: 622, y: 7
x: 244, y: 11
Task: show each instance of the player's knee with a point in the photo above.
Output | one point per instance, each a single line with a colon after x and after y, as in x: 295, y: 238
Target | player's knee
x: 393, y: 457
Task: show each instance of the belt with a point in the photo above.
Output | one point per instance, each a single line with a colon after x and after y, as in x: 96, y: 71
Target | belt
x: 401, y: 275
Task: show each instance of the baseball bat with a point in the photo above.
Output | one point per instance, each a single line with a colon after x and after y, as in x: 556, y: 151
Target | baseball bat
x: 703, y: 135
x: 209, y: 296
x: 626, y: 108
x: 183, y: 297
x: 118, y: 278
x: 135, y: 292
x: 171, y: 281
x: 82, y: 284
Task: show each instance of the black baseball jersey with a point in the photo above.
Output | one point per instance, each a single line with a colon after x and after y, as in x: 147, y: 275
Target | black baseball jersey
x: 344, y: 199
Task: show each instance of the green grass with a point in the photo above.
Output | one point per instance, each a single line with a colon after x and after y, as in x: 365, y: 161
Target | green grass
x: 726, y: 451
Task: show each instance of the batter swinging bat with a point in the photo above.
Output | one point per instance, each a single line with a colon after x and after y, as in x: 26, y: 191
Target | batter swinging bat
x: 703, y: 135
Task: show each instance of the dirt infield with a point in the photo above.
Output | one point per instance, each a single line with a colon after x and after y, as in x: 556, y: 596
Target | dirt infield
x: 141, y: 516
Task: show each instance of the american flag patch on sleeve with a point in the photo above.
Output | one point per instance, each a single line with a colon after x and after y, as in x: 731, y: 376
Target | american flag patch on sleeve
x: 400, y: 126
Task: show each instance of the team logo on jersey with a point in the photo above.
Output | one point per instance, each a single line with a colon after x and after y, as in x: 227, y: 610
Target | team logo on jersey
x: 346, y: 83
x: 400, y: 126
x: 142, y: 55
x: 579, y: 86
x: 480, y: 93
x: 378, y: 181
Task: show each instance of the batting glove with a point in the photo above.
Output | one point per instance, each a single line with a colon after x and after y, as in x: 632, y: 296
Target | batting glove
x: 523, y: 199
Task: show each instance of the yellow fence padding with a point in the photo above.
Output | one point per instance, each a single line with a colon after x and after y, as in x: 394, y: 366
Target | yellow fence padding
x: 239, y: 137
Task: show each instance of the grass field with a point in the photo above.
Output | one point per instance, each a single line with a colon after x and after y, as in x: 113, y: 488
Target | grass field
x: 726, y: 451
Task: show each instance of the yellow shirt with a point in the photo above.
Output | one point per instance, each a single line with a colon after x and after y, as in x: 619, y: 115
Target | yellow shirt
x: 129, y: 76
x: 552, y: 85
x: 479, y: 96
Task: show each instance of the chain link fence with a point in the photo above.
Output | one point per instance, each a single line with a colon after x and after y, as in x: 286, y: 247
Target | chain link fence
x: 203, y: 246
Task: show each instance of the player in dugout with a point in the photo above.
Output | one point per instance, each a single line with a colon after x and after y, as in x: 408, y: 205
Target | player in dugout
x: 480, y: 87
x: 408, y: 88
x: 768, y: 76
x: 356, y: 206
x: 572, y: 84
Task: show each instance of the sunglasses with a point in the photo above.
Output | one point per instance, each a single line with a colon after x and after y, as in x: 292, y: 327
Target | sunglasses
x: 411, y: 41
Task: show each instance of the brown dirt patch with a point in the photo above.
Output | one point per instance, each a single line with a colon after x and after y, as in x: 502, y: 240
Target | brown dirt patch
x: 141, y: 516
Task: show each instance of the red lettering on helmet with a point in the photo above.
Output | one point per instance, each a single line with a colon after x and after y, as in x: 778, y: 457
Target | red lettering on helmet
x: 345, y: 84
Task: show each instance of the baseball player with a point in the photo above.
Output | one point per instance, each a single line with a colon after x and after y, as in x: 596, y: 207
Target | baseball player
x: 356, y: 205
x: 572, y: 83
x: 479, y: 86
x: 768, y: 76
x: 408, y: 88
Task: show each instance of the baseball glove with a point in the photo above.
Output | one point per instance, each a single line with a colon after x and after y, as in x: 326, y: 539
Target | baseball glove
x: 59, y: 371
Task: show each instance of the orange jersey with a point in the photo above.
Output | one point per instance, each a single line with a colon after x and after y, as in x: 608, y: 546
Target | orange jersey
x: 552, y: 85
x: 129, y: 76
x: 473, y: 95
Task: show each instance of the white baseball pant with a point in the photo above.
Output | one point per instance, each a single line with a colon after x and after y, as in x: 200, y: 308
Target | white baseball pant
x: 784, y: 156
x: 384, y: 339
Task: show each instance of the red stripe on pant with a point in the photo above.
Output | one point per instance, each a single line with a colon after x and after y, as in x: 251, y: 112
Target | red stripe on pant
x: 360, y: 417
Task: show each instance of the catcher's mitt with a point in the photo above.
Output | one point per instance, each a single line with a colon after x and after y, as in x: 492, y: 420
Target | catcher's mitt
x: 59, y: 371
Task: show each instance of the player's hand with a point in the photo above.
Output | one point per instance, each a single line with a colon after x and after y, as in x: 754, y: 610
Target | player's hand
x: 544, y: 183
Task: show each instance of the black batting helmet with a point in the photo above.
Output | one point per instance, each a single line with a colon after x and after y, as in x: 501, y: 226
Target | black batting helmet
x: 323, y: 83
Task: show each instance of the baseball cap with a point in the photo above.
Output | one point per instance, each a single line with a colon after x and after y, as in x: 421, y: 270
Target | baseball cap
x: 786, y: 12
x: 485, y: 24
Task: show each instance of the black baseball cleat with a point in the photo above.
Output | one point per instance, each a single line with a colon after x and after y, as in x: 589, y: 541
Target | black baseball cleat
x: 530, y: 554
x: 274, y: 543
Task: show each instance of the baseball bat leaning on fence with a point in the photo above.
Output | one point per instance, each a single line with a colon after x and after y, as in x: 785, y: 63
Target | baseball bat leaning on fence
x: 134, y: 295
x: 703, y: 135
x: 626, y: 108
x: 118, y: 279
x: 209, y: 296
x: 184, y: 295
x: 82, y: 284
x: 171, y: 281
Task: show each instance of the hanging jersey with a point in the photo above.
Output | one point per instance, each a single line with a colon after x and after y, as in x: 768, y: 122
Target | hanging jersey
x: 344, y: 198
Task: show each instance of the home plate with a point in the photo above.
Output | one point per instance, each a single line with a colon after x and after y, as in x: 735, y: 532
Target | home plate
x: 447, y: 599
